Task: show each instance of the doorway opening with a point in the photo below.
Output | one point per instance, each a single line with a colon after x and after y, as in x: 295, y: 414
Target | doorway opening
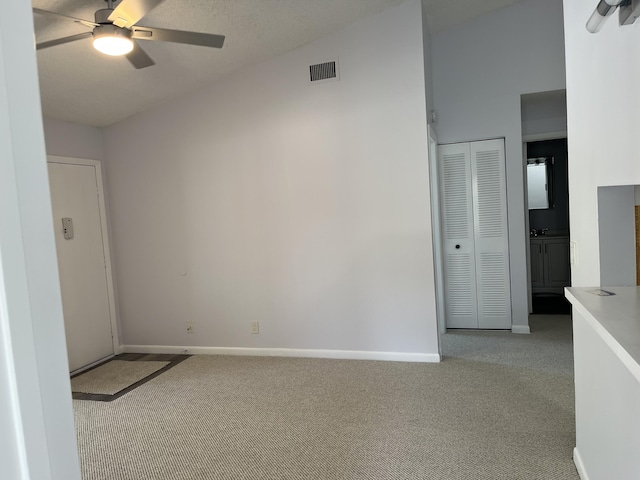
x: 545, y: 168
x: 549, y: 230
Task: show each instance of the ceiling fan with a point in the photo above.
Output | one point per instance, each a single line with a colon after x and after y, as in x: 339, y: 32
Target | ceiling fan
x: 114, y: 31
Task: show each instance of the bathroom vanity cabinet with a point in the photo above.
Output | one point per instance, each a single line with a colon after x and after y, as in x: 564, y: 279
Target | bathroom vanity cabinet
x: 550, y: 270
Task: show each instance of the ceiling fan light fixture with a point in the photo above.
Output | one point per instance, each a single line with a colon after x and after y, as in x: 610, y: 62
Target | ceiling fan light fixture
x: 112, y: 40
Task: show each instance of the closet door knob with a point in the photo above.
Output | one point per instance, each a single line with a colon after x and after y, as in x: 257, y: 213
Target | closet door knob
x: 457, y: 246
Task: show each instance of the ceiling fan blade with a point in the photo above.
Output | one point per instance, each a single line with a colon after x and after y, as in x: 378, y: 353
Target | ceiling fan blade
x: 178, y: 36
x: 128, y: 12
x: 65, y: 17
x: 60, y: 41
x: 139, y: 58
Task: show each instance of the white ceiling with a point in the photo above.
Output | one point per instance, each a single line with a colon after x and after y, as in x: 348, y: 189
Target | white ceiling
x: 80, y: 85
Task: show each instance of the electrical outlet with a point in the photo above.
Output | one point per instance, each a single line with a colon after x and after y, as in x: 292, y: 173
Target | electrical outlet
x: 190, y: 327
x: 573, y: 253
x: 255, y: 327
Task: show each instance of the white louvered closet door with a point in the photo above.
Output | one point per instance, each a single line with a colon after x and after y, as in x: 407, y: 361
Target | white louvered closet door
x: 458, y: 237
x: 474, y: 222
x: 491, y: 234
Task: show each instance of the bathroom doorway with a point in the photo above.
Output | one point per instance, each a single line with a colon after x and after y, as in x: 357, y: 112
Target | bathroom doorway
x: 550, y: 269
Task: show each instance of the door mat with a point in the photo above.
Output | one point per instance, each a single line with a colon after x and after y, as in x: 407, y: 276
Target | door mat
x: 550, y: 305
x: 120, y: 375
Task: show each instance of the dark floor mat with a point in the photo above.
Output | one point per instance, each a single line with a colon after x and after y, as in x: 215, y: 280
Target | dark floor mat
x: 550, y: 304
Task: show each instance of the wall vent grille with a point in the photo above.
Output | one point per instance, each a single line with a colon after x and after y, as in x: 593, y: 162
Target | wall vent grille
x: 324, y: 71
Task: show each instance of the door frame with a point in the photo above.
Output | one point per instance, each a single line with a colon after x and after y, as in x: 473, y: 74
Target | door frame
x: 436, y: 228
x: 106, y: 249
x: 540, y: 137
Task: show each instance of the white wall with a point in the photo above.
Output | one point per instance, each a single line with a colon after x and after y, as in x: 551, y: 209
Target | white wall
x: 36, y: 420
x: 67, y: 139
x: 602, y: 107
x: 607, y: 398
x: 304, y: 207
x: 544, y: 113
x: 481, y: 69
x: 617, y: 235
x: 428, y: 63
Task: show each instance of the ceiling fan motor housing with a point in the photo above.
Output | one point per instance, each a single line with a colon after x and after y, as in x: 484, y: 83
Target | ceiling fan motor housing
x: 102, y: 16
x: 111, y: 30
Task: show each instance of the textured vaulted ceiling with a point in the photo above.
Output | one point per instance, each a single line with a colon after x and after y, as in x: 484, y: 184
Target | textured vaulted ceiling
x: 80, y: 85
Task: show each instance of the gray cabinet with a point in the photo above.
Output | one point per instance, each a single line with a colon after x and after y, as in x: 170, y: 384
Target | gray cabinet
x: 550, y: 270
x: 537, y: 263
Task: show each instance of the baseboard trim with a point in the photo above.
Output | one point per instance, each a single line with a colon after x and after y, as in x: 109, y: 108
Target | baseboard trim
x: 577, y: 460
x: 520, y: 329
x: 92, y: 364
x: 286, y: 352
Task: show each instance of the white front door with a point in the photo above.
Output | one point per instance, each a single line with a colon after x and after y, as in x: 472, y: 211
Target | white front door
x: 81, y: 259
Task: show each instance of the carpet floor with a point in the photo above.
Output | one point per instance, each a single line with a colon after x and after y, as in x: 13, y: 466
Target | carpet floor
x: 490, y: 410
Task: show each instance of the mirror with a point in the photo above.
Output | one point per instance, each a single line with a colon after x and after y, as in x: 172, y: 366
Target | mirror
x: 538, y: 183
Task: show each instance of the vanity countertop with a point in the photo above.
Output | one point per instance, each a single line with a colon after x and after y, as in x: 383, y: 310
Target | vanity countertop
x: 550, y: 234
x: 616, y: 318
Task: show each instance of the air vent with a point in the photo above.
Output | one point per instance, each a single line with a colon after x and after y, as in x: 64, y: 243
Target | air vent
x: 327, y: 71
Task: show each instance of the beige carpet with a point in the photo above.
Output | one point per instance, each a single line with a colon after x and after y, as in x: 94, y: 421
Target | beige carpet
x: 114, y: 376
x: 281, y: 418
x: 549, y: 348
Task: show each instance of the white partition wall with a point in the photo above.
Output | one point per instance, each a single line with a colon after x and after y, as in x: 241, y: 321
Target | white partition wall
x: 270, y: 199
x: 607, y: 379
x: 37, y: 435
